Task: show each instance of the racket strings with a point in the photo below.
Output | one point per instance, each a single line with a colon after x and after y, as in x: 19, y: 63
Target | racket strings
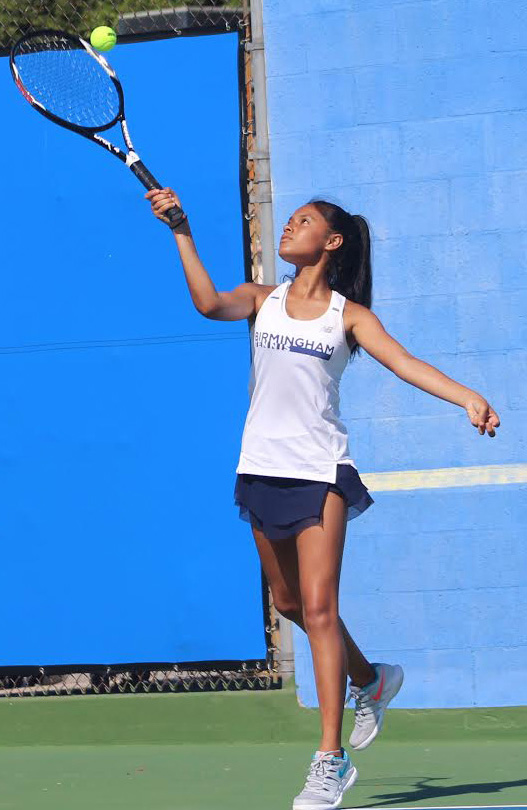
x: 68, y: 81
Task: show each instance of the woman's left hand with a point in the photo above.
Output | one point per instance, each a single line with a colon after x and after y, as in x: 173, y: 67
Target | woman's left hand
x: 482, y: 415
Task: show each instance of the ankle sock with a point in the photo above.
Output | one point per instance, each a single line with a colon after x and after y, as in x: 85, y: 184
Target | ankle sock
x: 335, y: 753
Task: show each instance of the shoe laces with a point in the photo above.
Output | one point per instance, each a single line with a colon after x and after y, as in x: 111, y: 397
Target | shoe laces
x: 364, y: 703
x: 323, y: 771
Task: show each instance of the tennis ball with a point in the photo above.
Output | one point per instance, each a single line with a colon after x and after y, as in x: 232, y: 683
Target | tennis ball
x: 103, y: 38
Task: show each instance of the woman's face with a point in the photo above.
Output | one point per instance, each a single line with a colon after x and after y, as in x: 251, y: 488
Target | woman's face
x: 305, y: 237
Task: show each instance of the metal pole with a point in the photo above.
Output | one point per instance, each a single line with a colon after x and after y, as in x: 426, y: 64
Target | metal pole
x: 262, y: 197
x: 262, y: 185
x: 286, y: 654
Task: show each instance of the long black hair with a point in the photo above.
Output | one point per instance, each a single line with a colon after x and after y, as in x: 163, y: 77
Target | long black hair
x: 349, y: 267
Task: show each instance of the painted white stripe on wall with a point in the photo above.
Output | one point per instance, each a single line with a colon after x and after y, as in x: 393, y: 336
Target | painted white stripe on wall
x: 446, y: 477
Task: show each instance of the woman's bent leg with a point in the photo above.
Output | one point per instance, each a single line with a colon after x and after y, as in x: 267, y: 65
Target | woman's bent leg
x: 279, y: 561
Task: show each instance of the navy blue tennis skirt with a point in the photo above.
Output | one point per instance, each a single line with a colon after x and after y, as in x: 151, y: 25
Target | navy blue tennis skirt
x: 282, y: 507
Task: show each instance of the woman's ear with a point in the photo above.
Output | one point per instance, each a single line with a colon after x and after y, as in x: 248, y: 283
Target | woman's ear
x: 334, y: 241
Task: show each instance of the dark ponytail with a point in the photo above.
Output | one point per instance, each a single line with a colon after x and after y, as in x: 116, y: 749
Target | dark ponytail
x: 349, y: 269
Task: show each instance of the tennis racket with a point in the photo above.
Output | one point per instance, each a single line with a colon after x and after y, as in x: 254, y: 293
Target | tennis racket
x: 65, y: 79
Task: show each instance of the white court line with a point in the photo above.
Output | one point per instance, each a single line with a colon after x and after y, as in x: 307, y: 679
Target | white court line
x: 452, y: 807
x: 444, y: 477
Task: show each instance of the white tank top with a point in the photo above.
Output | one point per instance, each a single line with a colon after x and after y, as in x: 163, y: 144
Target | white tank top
x: 293, y: 427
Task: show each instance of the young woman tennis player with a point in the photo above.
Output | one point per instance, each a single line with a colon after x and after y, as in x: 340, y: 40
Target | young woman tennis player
x: 296, y: 482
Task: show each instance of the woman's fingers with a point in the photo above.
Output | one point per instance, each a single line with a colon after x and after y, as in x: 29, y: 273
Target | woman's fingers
x: 163, y: 206
x: 154, y: 192
x: 162, y: 200
x: 473, y: 409
x: 494, y: 418
x: 156, y: 195
x: 483, y: 416
x: 492, y: 422
x: 168, y: 204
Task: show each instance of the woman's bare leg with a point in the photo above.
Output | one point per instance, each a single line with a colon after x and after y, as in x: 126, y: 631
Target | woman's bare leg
x: 319, y: 563
x: 360, y: 670
x: 279, y: 561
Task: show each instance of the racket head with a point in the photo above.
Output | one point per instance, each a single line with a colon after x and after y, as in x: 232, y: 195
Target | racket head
x: 65, y: 79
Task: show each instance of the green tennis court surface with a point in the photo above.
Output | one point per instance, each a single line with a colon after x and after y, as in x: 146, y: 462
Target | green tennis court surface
x: 236, y: 751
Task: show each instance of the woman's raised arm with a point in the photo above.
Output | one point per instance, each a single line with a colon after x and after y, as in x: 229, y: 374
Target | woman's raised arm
x: 220, y: 306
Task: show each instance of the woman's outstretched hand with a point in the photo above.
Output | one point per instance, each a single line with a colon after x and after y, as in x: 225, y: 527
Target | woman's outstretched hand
x: 482, y: 415
x: 161, y: 199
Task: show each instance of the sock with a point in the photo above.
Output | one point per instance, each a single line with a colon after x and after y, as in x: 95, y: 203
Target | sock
x: 335, y: 753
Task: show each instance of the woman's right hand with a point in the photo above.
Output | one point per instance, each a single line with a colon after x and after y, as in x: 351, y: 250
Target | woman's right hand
x: 161, y: 199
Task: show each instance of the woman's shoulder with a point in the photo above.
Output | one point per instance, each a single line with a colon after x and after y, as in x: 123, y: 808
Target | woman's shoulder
x: 352, y: 315
x: 260, y: 292
x: 353, y: 312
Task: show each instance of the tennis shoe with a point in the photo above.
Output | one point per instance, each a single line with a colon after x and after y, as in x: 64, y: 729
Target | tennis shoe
x: 328, y: 777
x: 371, y: 702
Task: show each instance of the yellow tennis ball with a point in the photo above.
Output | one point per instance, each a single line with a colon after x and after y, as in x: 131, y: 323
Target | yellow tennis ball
x: 103, y: 38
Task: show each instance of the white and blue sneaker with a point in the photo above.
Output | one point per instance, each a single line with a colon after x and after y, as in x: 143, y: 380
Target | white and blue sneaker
x: 371, y: 702
x: 329, y: 776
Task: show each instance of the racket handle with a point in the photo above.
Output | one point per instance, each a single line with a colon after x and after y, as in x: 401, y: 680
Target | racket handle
x: 175, y: 214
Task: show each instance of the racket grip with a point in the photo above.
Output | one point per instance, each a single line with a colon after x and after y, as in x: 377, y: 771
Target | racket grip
x: 147, y: 178
x: 175, y: 214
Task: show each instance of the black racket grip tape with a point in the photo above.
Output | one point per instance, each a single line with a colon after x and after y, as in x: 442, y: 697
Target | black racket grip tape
x: 175, y: 214
x: 147, y: 178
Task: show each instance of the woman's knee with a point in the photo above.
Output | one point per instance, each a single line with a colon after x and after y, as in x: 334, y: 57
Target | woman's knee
x: 288, y: 605
x: 320, y: 616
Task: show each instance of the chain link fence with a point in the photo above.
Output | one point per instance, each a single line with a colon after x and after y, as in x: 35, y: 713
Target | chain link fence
x: 153, y: 678
x: 199, y: 677
x: 128, y: 18
x: 137, y: 20
x: 146, y: 19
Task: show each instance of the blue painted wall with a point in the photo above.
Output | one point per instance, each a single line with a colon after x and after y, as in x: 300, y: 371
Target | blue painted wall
x: 120, y: 539
x: 415, y: 114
